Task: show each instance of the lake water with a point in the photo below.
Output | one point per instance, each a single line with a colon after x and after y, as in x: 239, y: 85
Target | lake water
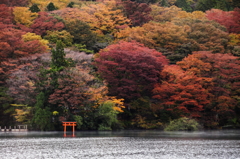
x: 223, y: 144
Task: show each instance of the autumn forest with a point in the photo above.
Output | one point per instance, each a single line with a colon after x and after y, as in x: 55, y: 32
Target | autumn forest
x: 119, y: 64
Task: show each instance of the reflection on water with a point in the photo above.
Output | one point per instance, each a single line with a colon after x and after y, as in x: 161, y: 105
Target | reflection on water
x: 121, y: 144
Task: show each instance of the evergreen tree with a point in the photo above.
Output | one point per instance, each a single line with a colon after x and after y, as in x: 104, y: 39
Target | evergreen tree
x: 58, y: 57
x: 51, y: 7
x: 223, y: 5
x: 58, y: 63
x: 184, y: 5
x: 34, y: 8
x: 70, y: 5
x: 43, y: 111
x: 82, y: 33
x: 164, y: 3
x: 204, y: 5
x: 6, y: 110
x: 42, y: 114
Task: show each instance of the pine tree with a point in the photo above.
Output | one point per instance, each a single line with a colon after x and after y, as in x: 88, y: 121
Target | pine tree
x: 164, y: 3
x: 42, y: 114
x: 184, y: 5
x: 58, y: 57
x: 51, y: 7
x: 70, y: 5
x: 34, y: 8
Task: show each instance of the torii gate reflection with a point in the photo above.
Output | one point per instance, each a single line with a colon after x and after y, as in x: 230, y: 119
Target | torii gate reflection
x: 69, y: 123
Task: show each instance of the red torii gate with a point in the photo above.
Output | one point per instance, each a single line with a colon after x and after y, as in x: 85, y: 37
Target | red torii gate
x: 69, y: 123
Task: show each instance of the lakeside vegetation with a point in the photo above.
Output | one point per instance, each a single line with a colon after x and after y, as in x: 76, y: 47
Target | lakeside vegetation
x: 116, y: 64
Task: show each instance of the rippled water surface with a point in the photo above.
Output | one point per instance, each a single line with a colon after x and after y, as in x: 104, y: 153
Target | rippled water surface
x: 121, y: 145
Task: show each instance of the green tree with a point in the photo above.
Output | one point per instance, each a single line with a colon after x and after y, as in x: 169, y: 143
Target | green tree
x: 34, y: 8
x: 184, y: 5
x: 6, y: 111
x: 48, y: 81
x: 51, y: 7
x: 183, y: 124
x: 82, y: 33
x: 70, y: 5
x: 42, y: 114
x: 164, y: 3
x: 107, y: 116
x: 58, y: 57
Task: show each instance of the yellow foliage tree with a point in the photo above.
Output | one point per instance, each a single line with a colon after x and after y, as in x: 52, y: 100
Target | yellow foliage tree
x: 118, y: 104
x: 234, y: 39
x: 32, y: 36
x: 23, y: 113
x: 193, y: 15
x: 24, y: 16
x: 164, y: 14
x: 109, y: 19
x: 156, y: 35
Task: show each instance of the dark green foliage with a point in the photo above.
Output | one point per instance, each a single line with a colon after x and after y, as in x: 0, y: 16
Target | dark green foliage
x: 184, y: 5
x: 235, y: 4
x: 34, y: 8
x: 51, y: 7
x: 6, y: 110
x: 183, y: 124
x: 145, y: 1
x: 182, y: 51
x: 204, y: 5
x: 44, y: 119
x: 223, y: 5
x: 82, y: 33
x: 79, y: 120
x: 58, y: 56
x: 42, y: 114
x: 164, y: 3
x: 102, y: 41
x: 70, y: 5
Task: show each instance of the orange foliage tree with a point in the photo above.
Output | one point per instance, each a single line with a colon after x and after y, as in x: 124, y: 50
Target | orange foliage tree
x: 181, y: 93
x: 204, y: 34
x: 225, y: 71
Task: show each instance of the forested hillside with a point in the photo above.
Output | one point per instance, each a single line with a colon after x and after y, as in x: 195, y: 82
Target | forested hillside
x: 119, y: 64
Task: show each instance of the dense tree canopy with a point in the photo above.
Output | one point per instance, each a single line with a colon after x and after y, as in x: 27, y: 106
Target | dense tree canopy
x: 163, y: 60
x: 130, y: 69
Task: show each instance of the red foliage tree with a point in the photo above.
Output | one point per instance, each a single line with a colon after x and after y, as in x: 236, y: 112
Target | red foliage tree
x: 130, y: 69
x: 12, y: 3
x: 6, y: 16
x: 181, y: 93
x: 45, y: 22
x: 225, y: 71
x: 228, y: 19
x: 139, y: 13
x: 13, y: 47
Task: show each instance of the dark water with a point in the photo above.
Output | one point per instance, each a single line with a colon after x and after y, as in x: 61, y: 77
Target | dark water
x: 121, y: 145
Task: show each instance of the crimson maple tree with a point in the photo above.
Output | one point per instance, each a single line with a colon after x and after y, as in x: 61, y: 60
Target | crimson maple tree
x: 225, y: 71
x: 130, y: 69
x: 138, y: 13
x: 12, y: 3
x: 45, y: 22
x: 229, y: 19
x: 181, y: 93
x: 6, y: 16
